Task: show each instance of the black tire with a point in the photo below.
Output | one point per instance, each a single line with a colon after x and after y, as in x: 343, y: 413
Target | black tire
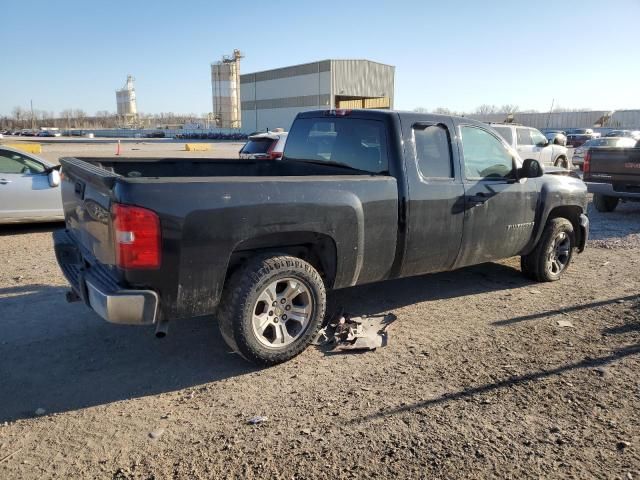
x: 605, y: 203
x: 544, y: 263
x: 240, y: 298
x: 561, y: 162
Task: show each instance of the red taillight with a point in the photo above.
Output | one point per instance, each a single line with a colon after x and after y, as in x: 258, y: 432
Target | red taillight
x: 137, y: 237
x: 271, y: 154
x: 586, y: 165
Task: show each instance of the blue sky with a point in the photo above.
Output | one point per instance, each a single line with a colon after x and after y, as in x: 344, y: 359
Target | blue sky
x: 455, y: 54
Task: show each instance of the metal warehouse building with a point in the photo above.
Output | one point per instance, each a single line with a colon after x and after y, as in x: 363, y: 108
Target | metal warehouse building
x: 588, y: 119
x: 272, y: 98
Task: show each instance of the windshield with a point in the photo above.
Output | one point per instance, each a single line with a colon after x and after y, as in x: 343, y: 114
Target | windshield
x: 356, y: 143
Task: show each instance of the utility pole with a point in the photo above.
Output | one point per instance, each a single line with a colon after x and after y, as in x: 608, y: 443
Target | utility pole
x: 550, y: 112
x: 33, y: 125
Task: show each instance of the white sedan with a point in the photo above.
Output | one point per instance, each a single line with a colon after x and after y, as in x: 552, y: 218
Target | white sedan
x: 29, y: 188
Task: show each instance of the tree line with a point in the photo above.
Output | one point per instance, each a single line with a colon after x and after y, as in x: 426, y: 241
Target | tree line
x: 21, y: 118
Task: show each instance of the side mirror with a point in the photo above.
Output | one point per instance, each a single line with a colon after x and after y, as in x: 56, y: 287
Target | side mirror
x: 543, y: 143
x: 54, y: 178
x: 531, y: 168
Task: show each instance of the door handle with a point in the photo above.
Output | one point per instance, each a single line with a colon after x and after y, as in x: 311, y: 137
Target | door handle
x: 4, y: 181
x: 477, y: 199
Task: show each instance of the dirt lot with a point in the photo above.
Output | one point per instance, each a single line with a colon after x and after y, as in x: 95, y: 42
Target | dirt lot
x: 478, y: 380
x: 52, y: 149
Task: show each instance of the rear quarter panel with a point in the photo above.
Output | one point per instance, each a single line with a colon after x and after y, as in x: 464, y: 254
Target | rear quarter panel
x: 205, y: 220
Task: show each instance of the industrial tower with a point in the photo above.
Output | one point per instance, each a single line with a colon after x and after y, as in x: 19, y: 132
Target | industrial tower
x: 126, y: 103
x: 225, y: 86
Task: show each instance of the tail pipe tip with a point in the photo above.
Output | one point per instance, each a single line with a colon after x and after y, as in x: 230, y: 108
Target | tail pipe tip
x: 162, y: 328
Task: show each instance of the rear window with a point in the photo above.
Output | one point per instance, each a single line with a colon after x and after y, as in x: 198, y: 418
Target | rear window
x: 524, y: 136
x: 357, y: 143
x: 258, y: 145
x: 433, y: 151
x: 505, y: 132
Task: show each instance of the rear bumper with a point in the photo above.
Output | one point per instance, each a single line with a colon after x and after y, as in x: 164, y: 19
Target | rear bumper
x: 99, y: 291
x: 607, y: 189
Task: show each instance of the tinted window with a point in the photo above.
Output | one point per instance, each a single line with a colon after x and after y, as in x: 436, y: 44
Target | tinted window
x: 433, y: 151
x: 358, y: 143
x: 484, y: 155
x: 11, y: 162
x: 524, y: 136
x: 505, y: 132
x: 257, y: 145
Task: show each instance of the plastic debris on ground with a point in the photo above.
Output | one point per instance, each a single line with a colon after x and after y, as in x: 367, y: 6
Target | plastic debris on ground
x: 564, y: 323
x: 346, y: 332
x: 257, y: 420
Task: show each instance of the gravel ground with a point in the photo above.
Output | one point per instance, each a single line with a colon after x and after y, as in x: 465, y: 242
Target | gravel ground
x: 478, y: 380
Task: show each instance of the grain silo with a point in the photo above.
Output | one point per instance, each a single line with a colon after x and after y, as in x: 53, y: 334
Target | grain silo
x: 225, y: 86
x: 126, y: 102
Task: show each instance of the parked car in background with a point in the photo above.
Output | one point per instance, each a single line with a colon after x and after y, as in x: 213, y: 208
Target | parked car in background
x: 612, y: 174
x: 263, y: 146
x: 557, y: 137
x: 29, y: 188
x: 531, y: 143
x: 49, y: 133
x: 156, y: 134
x: 577, y: 139
x: 617, y: 142
x: 635, y: 134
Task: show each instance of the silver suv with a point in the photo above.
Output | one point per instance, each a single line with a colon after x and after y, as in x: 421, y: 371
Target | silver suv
x: 531, y: 143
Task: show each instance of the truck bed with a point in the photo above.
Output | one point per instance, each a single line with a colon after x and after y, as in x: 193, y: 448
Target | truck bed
x: 131, y: 168
x: 211, y: 210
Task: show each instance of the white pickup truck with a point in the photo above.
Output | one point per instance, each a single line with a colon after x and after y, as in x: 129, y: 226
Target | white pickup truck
x: 531, y: 143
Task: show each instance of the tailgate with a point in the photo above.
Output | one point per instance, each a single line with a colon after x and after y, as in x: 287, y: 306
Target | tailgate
x: 86, y: 200
x: 616, y: 161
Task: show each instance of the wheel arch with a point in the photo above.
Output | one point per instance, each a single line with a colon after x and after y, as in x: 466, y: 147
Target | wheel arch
x: 316, y: 248
x: 571, y: 213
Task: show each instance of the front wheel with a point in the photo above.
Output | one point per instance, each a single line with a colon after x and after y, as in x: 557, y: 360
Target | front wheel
x: 562, y: 162
x: 553, y: 253
x: 605, y: 203
x: 272, y: 308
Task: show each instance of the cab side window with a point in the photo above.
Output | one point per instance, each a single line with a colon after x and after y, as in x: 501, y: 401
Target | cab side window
x: 12, y: 162
x: 485, y: 156
x: 524, y: 136
x: 433, y: 151
x: 538, y: 138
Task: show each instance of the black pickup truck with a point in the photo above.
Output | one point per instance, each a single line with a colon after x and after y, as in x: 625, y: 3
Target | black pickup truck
x: 612, y: 174
x: 358, y: 196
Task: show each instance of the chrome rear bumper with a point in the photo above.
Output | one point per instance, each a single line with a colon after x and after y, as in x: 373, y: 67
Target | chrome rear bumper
x: 100, y: 292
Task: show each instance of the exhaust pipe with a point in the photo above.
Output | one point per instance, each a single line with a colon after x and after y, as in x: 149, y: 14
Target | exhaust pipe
x: 162, y: 327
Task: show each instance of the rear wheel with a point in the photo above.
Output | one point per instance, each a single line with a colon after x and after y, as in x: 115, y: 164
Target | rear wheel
x: 553, y: 253
x: 605, y: 203
x: 272, y: 308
